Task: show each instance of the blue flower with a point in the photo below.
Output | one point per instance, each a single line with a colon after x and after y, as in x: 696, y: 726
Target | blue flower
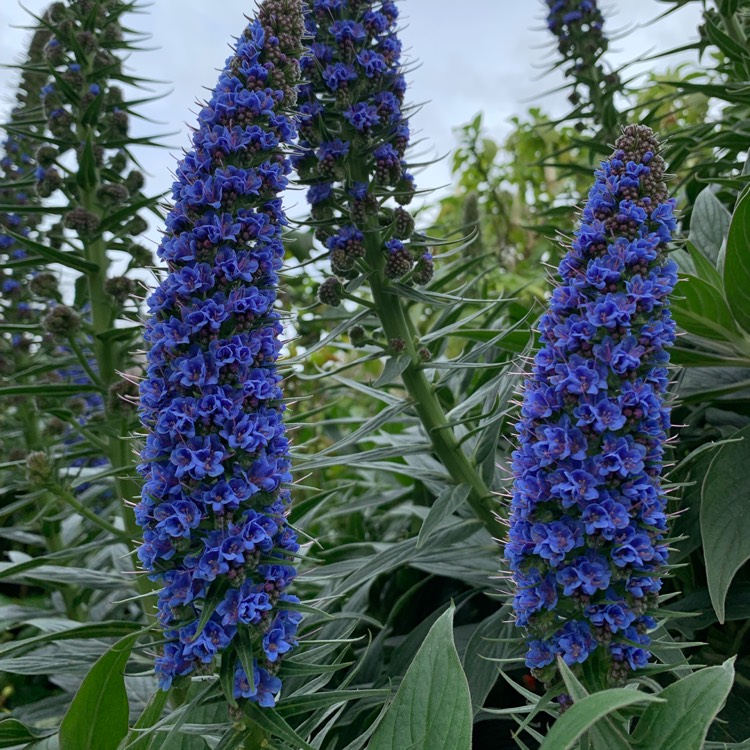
x: 215, y: 462
x: 587, y: 515
x: 354, y: 134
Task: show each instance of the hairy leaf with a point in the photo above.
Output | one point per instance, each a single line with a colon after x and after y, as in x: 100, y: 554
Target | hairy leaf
x: 725, y: 517
x: 432, y: 708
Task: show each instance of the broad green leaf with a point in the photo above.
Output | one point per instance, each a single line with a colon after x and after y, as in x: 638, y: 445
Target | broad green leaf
x: 445, y: 504
x: 14, y: 733
x: 704, y: 268
x: 701, y: 309
x: 583, y: 714
x: 98, y: 716
x: 709, y: 225
x: 737, y: 263
x: 602, y: 732
x: 432, y: 708
x: 692, y: 703
x: 725, y: 517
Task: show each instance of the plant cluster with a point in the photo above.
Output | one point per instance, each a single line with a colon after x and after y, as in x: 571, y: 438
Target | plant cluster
x: 461, y: 567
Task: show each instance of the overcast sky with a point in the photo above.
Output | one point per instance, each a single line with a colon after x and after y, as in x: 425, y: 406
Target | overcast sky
x: 474, y: 55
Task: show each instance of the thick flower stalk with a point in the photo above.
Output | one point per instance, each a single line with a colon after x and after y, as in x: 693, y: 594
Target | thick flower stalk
x: 354, y: 136
x: 586, y: 544
x: 578, y: 26
x: 216, y: 464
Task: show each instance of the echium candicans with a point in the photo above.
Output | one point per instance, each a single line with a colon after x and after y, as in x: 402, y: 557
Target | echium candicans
x: 216, y: 464
x: 586, y: 543
x: 578, y: 26
x: 87, y: 114
x: 16, y: 168
x: 20, y: 310
x: 354, y: 133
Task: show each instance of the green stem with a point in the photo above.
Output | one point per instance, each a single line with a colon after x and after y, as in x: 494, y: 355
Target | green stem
x: 29, y: 419
x: 390, y: 310
x: 50, y: 528
x: 397, y: 325
x: 84, y: 361
x: 107, y: 358
x: 70, y: 499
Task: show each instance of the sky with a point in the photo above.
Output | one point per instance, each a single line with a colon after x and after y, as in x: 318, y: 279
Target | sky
x: 470, y: 56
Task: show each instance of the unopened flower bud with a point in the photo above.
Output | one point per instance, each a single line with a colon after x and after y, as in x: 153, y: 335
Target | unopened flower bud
x: 120, y: 287
x: 44, y: 285
x: 330, y: 292
x: 38, y: 468
x: 82, y: 221
x: 61, y: 322
x: 357, y: 336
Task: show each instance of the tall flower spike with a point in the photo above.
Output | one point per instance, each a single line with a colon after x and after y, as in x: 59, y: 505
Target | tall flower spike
x: 578, y: 26
x: 20, y: 312
x: 354, y: 136
x: 586, y: 542
x: 215, y: 465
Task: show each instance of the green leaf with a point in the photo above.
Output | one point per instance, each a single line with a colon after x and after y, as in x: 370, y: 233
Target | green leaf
x: 86, y: 177
x: 492, y: 639
x: 112, y: 221
x: 603, y: 733
x: 394, y: 366
x: 692, y: 703
x: 118, y: 334
x: 448, y: 501
x: 98, y: 716
x: 31, y: 208
x: 701, y: 309
x: 106, y: 629
x: 733, y: 50
x: 136, y: 740
x: 737, y: 263
x: 725, y: 517
x: 14, y: 733
x: 53, y: 390
x: 68, y: 259
x: 704, y: 268
x: 584, y: 713
x: 709, y: 225
x: 271, y: 721
x: 432, y: 708
x: 301, y: 704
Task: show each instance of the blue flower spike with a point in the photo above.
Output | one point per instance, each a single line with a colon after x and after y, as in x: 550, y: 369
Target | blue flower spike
x: 215, y: 464
x: 587, y: 529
